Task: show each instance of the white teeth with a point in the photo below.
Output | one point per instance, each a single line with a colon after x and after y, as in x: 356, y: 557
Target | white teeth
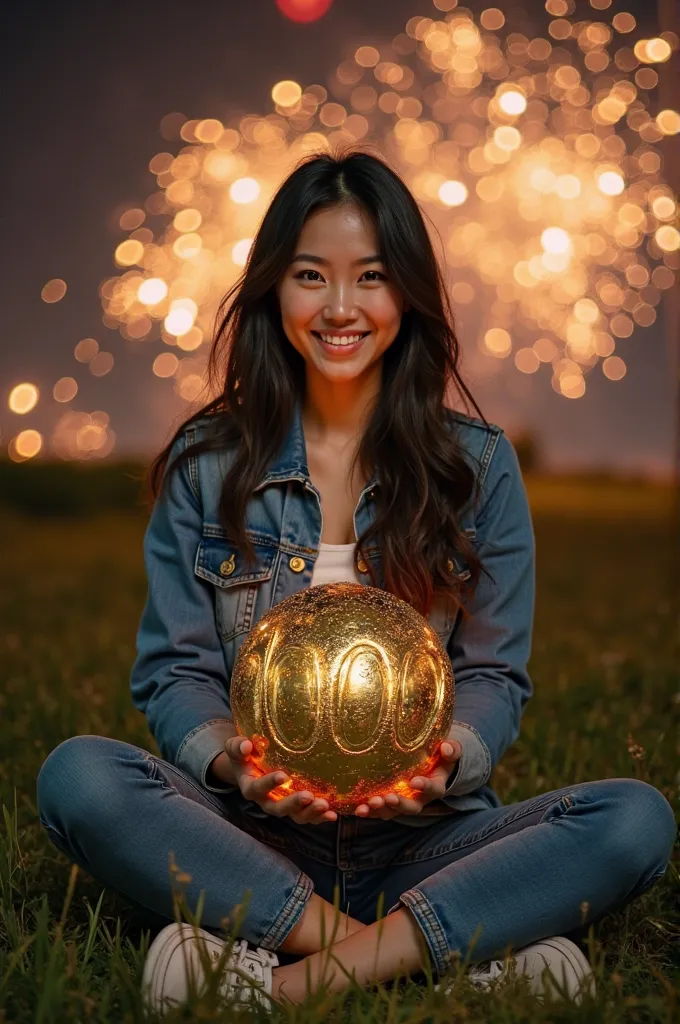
x: 340, y: 342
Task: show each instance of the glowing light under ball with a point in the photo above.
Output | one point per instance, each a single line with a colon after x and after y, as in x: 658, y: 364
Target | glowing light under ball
x: 346, y: 688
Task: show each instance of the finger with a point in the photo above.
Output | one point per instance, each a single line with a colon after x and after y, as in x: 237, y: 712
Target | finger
x: 428, y: 789
x: 405, y: 804
x: 373, y: 809
x: 287, y: 806
x: 239, y: 748
x: 321, y: 816
x: 376, y: 804
x: 439, y: 774
x: 311, y: 811
x: 318, y: 810
x: 411, y: 806
x: 438, y: 777
x: 451, y: 750
x: 260, y: 787
x: 304, y: 808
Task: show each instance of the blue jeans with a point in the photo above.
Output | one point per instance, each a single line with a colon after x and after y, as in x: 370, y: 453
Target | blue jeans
x: 540, y: 867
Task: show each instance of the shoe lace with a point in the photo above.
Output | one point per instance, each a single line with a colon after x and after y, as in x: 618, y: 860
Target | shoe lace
x: 252, y: 962
x: 483, y: 973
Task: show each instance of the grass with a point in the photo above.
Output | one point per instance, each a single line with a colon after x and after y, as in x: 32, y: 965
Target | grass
x: 605, y: 665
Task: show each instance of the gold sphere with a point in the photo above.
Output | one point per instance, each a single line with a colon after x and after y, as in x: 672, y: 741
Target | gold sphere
x: 347, y: 689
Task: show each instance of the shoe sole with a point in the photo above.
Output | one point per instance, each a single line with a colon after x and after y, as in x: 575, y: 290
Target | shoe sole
x: 157, y: 963
x: 577, y: 961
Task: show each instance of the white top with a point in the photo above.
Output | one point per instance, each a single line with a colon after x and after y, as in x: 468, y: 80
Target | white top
x: 335, y: 564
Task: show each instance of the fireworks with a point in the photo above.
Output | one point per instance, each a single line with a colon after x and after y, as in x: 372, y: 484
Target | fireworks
x: 536, y: 157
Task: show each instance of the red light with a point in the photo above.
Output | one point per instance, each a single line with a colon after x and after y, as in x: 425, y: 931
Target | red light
x: 303, y: 10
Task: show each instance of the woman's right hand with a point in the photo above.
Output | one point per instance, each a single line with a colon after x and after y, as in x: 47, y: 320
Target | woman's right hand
x: 301, y: 806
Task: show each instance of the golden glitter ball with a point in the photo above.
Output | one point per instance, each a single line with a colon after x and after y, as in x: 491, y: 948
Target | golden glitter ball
x: 347, y: 689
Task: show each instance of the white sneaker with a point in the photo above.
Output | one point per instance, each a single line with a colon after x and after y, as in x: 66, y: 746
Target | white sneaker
x: 569, y: 971
x: 173, y: 957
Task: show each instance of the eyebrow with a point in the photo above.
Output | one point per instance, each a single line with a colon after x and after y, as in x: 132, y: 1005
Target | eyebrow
x: 310, y: 258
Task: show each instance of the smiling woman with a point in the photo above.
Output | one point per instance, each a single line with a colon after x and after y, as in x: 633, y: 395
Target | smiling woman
x: 329, y: 436
x: 343, y: 250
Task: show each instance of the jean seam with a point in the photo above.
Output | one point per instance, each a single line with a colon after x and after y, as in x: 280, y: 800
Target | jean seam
x: 431, y: 927
x: 475, y: 837
x: 51, y: 828
x: 295, y: 904
x: 656, y: 877
x: 157, y: 777
x: 564, y: 804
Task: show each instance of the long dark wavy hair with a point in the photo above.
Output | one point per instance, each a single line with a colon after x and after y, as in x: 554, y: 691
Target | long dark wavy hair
x: 257, y: 374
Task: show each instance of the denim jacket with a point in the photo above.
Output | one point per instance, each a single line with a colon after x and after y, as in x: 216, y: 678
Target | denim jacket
x: 203, y: 599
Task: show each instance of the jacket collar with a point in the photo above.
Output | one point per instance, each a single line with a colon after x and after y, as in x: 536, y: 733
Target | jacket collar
x: 291, y: 461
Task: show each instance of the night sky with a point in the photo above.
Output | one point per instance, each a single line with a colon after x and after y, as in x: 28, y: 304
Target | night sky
x: 85, y: 86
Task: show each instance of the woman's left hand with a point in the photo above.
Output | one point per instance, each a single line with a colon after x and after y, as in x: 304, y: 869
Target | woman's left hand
x: 428, y: 787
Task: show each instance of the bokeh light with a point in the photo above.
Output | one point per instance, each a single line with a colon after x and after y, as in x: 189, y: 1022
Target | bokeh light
x: 81, y: 435
x: 65, y: 390
x: 303, y: 10
x: 25, y: 445
x: 54, y: 290
x: 453, y: 193
x: 101, y: 364
x: 152, y: 291
x: 23, y: 398
x: 86, y: 350
x: 538, y: 156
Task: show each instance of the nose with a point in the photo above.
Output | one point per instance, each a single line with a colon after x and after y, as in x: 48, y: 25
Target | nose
x: 340, y: 305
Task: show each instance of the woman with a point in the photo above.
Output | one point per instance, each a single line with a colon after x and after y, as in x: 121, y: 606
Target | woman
x: 329, y: 454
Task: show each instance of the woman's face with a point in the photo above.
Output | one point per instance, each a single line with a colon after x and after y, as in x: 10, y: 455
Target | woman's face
x: 337, y: 286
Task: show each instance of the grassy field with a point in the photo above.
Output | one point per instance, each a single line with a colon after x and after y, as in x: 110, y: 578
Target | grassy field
x: 606, y: 669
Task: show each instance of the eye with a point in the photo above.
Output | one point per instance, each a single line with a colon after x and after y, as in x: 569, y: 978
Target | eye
x: 382, y: 277
x: 301, y: 272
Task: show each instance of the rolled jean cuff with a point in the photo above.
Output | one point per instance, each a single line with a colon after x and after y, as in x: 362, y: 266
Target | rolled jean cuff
x: 295, y: 904
x: 474, y: 766
x: 431, y: 927
x: 199, y: 749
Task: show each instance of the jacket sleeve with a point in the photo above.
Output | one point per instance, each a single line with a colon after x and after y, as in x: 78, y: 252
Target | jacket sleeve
x: 179, y: 678
x: 490, y: 650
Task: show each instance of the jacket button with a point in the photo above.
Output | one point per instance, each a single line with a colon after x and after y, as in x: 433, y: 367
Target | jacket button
x: 450, y: 565
x: 226, y: 568
x: 296, y: 563
x: 361, y: 566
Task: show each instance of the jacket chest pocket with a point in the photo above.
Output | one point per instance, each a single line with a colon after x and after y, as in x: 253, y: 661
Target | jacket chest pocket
x: 239, y: 600
x: 444, y: 613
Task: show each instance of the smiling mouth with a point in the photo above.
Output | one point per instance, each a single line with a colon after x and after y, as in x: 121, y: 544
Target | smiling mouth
x: 341, y: 343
